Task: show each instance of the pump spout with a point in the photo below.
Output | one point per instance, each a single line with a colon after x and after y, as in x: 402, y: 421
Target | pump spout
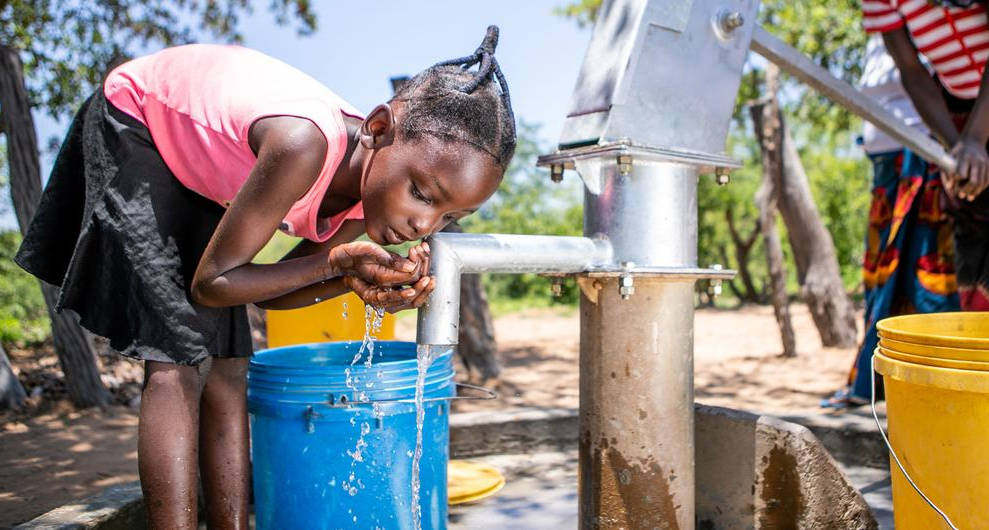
x: 455, y: 254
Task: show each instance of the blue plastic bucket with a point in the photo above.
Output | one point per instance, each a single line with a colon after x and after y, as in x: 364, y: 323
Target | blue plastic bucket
x: 305, y: 428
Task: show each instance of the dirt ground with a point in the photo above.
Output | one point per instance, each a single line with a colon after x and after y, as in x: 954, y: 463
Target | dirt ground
x: 736, y: 358
x: 54, y: 454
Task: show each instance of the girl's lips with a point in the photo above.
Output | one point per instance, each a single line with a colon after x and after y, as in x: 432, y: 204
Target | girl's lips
x: 392, y: 236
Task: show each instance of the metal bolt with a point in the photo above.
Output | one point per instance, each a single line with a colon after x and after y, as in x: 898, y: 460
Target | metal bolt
x: 730, y: 20
x: 624, y: 164
x: 716, y: 284
x: 556, y: 173
x: 557, y: 287
x: 626, y: 286
x: 626, y: 283
x: 722, y: 176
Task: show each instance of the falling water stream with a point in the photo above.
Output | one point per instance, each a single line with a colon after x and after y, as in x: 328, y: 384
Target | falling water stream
x: 373, y: 318
x: 424, y: 357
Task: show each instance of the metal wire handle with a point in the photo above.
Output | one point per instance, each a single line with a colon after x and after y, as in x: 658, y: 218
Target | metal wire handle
x: 896, y: 459
x: 488, y: 394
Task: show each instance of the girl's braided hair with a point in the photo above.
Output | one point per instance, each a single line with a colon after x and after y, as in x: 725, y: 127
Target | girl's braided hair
x: 450, y: 102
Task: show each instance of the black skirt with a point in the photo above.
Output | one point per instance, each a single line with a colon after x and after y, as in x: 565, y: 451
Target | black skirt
x: 122, y: 237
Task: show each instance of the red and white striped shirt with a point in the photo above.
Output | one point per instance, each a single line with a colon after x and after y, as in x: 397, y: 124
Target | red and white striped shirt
x: 954, y: 40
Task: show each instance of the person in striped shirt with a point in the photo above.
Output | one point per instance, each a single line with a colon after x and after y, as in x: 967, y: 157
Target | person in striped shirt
x: 952, y: 38
x: 908, y: 265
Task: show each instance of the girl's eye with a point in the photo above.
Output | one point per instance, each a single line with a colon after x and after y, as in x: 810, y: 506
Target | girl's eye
x: 418, y: 195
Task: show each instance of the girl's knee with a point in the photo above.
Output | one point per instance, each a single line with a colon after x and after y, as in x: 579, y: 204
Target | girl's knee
x: 231, y: 369
x: 166, y: 378
x: 229, y: 374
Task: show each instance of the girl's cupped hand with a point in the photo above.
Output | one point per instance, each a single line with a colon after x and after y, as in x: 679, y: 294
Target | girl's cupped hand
x: 384, y: 279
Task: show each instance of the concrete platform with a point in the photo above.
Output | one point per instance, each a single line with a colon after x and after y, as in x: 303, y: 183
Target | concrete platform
x: 874, y: 484
x: 739, y: 485
x: 541, y: 492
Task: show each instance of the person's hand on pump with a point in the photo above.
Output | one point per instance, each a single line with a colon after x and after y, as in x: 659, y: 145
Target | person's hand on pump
x: 971, y: 176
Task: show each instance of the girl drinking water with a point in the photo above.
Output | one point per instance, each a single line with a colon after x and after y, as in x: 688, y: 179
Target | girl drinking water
x: 175, y: 175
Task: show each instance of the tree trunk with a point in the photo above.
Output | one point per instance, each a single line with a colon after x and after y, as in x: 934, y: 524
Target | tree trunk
x: 743, y: 248
x: 767, y: 122
x: 821, y: 286
x: 82, y: 377
x: 476, y: 337
x: 777, y: 269
x: 477, y: 343
x: 11, y: 391
x: 813, y: 248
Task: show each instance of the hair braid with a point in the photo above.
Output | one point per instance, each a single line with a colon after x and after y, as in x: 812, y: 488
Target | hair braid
x: 450, y: 102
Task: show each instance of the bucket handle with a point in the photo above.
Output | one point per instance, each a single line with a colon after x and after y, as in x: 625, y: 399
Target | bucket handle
x: 487, y: 393
x: 896, y: 459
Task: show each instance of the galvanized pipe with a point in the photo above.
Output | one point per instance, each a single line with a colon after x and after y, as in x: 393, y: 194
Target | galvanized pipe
x: 647, y: 210
x: 636, y: 354
x: 453, y: 254
x: 636, y: 465
x: 798, y: 65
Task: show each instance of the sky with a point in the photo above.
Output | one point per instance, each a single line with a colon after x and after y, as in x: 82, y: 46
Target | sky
x: 358, y: 46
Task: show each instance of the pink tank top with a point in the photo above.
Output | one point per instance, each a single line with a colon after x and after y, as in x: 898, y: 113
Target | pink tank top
x: 199, y: 101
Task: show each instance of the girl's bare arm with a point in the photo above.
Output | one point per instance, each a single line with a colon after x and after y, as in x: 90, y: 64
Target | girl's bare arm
x: 290, y: 154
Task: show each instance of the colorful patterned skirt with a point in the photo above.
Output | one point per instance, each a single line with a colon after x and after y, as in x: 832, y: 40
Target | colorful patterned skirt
x: 908, y: 265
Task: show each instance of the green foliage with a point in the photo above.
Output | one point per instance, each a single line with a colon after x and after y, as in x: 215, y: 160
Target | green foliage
x: 584, y: 12
x: 527, y: 202
x: 23, y: 316
x: 68, y: 45
x: 840, y: 186
x: 279, y: 245
x: 831, y: 34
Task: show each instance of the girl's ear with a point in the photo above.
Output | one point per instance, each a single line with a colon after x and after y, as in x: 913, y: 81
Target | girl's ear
x: 378, y: 129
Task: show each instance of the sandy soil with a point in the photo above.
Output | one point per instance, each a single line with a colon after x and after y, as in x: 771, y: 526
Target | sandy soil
x: 53, y: 454
x: 736, y: 357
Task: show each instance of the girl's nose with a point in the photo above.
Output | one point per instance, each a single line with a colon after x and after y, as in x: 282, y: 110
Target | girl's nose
x: 419, y: 225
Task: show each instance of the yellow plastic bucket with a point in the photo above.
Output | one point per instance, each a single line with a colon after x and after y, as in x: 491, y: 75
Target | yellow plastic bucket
x: 937, y: 402
x: 930, y: 361
x: 340, y: 318
x: 937, y: 353
x: 952, y: 330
